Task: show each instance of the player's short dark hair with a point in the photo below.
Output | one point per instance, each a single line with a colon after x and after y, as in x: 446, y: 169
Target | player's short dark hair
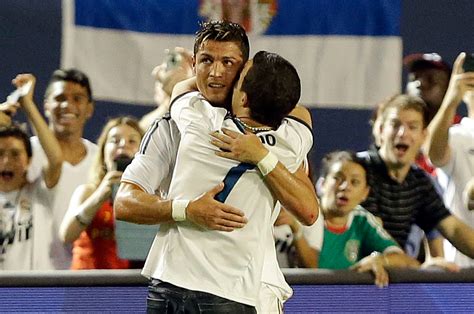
x: 223, y: 31
x: 273, y: 88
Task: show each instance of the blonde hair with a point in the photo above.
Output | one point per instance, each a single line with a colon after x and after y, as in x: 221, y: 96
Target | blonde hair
x: 98, y: 168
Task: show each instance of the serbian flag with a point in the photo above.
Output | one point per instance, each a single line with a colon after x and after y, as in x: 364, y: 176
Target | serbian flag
x: 348, y: 52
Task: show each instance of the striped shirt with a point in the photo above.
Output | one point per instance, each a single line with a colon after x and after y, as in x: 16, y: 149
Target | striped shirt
x: 399, y: 205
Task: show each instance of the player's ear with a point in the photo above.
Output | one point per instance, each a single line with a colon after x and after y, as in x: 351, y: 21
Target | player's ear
x: 244, y: 100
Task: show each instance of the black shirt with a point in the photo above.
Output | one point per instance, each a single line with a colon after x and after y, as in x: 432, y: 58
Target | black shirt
x: 399, y: 205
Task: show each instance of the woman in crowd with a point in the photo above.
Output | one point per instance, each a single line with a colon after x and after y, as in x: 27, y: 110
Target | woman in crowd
x: 89, y: 222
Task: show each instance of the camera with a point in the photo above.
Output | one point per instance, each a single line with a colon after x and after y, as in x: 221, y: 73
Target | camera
x: 121, y: 162
x: 468, y: 65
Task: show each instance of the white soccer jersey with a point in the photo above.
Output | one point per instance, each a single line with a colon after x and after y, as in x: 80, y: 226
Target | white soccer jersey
x: 228, y: 264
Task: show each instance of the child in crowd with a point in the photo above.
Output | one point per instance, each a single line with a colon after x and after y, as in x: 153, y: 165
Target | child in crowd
x: 89, y: 221
x: 26, y: 229
x: 354, y: 238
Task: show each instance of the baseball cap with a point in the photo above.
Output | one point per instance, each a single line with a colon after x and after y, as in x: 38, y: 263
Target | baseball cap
x: 425, y: 60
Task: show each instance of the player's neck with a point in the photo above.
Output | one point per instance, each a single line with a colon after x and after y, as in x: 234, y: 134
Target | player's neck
x: 252, y: 125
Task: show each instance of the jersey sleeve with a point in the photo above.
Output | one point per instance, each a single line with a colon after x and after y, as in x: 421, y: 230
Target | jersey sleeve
x: 191, y: 109
x: 156, y: 157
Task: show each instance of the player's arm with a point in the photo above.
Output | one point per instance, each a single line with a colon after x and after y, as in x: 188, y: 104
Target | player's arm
x: 185, y: 86
x: 295, y: 191
x: 135, y: 205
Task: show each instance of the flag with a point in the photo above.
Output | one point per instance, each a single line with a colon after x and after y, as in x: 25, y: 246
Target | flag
x: 347, y: 52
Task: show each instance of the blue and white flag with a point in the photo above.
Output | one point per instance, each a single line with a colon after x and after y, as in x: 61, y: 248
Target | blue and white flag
x: 348, y: 52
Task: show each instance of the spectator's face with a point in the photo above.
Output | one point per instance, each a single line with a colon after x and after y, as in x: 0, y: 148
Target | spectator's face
x: 343, y: 188
x: 217, y: 64
x: 14, y: 163
x: 122, y: 140
x: 401, y: 137
x: 68, y: 108
x: 430, y: 84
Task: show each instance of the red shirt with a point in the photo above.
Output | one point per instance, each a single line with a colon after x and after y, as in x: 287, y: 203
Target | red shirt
x: 96, y: 247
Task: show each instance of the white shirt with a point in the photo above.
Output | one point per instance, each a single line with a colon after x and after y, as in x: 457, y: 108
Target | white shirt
x: 26, y: 225
x: 453, y: 178
x: 228, y: 264
x: 71, y: 177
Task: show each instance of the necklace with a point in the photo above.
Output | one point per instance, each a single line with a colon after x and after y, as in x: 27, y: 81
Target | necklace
x: 254, y: 129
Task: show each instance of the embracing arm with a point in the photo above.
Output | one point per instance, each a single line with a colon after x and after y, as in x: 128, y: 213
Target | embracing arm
x: 295, y: 191
x: 187, y: 85
x: 135, y: 205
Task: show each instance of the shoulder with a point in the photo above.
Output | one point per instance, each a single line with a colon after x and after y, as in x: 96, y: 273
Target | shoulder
x: 302, y: 114
x: 184, y: 98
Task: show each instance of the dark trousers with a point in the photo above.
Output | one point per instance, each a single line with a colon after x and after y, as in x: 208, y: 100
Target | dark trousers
x: 166, y: 298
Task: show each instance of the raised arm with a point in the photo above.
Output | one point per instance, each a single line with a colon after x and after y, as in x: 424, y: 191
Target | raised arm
x: 52, y: 169
x: 437, y: 144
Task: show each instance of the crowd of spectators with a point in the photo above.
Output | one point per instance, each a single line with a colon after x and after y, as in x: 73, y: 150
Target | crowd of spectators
x: 377, y: 205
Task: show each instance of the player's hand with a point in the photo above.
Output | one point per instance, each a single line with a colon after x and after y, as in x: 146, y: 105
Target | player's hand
x: 205, y: 211
x: 373, y: 264
x: 241, y: 147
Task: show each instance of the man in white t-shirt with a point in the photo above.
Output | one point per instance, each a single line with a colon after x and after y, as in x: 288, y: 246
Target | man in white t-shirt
x: 68, y: 105
x: 25, y: 208
x: 451, y: 149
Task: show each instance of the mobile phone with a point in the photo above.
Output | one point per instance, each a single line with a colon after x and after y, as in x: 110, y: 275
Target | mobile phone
x: 18, y: 93
x: 468, y: 65
x: 121, y: 162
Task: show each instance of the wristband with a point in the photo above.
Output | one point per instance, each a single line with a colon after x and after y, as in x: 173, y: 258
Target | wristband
x: 178, y: 210
x: 267, y: 164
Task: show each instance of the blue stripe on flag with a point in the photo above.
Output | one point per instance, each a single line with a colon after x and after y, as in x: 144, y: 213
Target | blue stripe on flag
x: 145, y: 16
x: 302, y: 17
x: 337, y: 17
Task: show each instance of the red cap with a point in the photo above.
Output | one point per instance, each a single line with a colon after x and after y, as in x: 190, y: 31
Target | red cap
x: 426, y: 60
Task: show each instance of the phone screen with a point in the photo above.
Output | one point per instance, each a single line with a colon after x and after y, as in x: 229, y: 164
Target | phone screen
x: 122, y: 162
x: 468, y: 65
